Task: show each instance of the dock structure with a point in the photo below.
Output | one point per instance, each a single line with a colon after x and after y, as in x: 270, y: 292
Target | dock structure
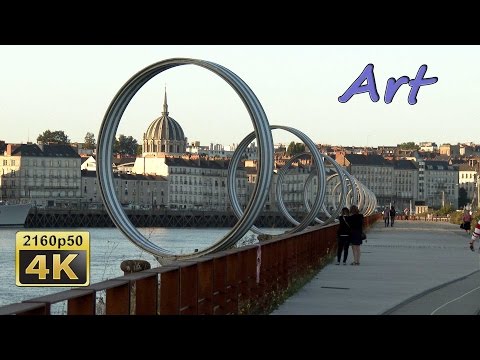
x: 60, y: 218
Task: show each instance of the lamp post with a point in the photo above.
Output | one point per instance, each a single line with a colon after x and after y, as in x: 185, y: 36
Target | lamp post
x: 478, y: 195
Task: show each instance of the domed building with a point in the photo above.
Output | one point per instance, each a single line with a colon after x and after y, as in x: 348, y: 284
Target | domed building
x: 193, y: 182
x: 164, y: 136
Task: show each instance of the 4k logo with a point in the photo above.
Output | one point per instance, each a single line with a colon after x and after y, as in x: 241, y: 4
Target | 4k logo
x: 48, y: 258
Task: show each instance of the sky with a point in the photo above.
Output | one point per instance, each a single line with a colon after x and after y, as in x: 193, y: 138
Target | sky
x: 69, y: 88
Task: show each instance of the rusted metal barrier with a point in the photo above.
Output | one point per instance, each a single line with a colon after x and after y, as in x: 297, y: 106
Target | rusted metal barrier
x: 423, y: 217
x: 237, y: 281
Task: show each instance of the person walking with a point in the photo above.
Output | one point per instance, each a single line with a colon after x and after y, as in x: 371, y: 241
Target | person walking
x: 343, y: 236
x: 355, y: 220
x: 475, y: 236
x: 467, y: 220
x: 393, y: 213
x: 386, y: 216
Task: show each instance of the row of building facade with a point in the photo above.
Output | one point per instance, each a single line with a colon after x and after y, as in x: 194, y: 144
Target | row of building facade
x: 55, y: 175
x: 166, y: 176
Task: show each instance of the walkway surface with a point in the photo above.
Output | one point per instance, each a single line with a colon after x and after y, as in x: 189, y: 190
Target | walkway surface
x: 413, y: 268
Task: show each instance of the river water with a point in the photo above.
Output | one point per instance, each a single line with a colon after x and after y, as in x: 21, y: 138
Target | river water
x: 108, y: 248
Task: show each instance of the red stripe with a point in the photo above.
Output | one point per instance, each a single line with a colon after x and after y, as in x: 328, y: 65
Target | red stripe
x: 476, y: 232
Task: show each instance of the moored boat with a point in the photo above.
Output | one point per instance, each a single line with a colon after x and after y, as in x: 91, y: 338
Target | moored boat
x: 13, y: 214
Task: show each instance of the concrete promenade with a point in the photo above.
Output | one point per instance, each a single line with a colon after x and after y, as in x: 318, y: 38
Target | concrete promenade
x: 413, y: 268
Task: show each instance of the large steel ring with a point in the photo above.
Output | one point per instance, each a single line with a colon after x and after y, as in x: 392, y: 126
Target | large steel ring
x: 232, y: 169
x: 106, y: 137
x: 334, y: 191
x: 336, y: 213
x: 352, y: 193
x: 330, y: 196
x: 319, y: 196
x: 366, y: 199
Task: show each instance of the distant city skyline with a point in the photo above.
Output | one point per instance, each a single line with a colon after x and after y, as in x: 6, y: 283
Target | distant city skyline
x: 69, y: 88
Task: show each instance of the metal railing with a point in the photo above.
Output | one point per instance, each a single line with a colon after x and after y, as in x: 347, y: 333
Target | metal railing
x: 236, y: 281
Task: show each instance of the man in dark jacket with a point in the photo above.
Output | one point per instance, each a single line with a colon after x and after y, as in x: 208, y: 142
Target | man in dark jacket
x: 392, y: 215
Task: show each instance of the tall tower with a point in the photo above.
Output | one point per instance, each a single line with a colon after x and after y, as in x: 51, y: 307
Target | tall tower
x: 164, y: 136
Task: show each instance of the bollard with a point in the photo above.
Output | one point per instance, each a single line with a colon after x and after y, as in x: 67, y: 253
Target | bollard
x: 265, y: 237
x: 129, y: 267
x: 133, y: 266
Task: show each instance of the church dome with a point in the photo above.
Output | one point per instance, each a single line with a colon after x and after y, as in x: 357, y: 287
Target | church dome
x: 164, y: 135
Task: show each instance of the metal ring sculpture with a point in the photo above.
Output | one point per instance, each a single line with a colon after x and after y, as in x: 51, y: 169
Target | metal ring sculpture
x: 352, y: 193
x: 262, y: 132
x: 232, y: 169
x: 366, y: 201
x: 306, y: 197
x: 332, y: 197
x: 341, y: 203
x: 372, y: 202
x: 107, y: 134
x: 334, y: 191
x: 358, y: 200
x: 321, y: 185
x: 320, y: 176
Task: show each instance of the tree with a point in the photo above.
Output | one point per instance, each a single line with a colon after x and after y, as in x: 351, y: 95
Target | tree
x: 125, y: 145
x: 89, y: 142
x: 295, y: 148
x: 409, y: 146
x: 53, y: 137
